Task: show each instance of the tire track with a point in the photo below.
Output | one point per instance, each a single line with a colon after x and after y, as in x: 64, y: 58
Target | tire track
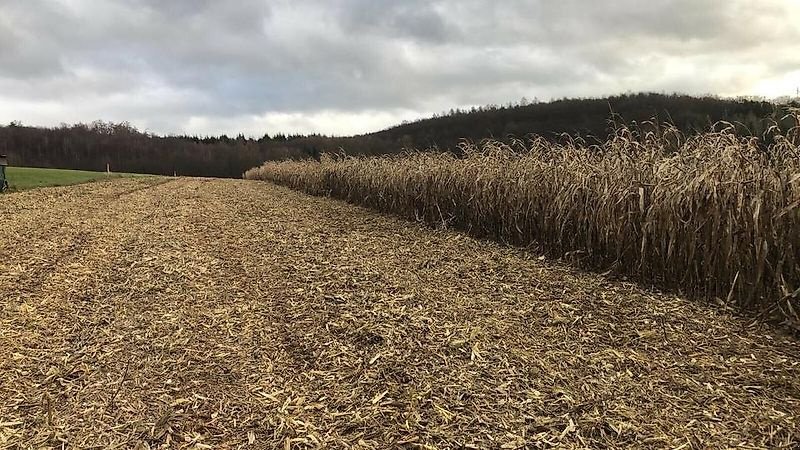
x: 65, y: 231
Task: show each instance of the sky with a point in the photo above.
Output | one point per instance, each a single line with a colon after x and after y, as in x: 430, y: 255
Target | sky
x: 352, y: 66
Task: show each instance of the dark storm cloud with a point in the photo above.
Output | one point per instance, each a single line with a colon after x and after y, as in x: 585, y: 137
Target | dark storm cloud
x: 206, y: 66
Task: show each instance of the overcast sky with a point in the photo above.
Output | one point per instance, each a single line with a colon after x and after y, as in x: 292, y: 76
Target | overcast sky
x: 351, y: 66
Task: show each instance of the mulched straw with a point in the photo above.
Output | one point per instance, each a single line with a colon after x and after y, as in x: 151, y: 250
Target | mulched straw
x: 189, y: 313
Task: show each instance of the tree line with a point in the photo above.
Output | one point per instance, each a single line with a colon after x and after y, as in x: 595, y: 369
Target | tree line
x: 125, y: 149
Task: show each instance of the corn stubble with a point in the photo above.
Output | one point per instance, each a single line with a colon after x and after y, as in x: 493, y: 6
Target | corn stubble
x: 716, y: 215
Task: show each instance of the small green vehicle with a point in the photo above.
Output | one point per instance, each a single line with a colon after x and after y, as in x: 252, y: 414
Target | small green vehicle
x: 3, y: 179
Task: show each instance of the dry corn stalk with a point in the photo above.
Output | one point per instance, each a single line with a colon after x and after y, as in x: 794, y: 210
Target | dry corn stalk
x: 715, y: 215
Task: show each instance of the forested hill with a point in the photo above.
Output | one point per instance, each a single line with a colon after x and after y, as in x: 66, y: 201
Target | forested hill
x: 125, y: 149
x: 581, y: 116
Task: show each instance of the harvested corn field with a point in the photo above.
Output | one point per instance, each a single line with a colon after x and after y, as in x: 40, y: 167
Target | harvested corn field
x: 190, y: 313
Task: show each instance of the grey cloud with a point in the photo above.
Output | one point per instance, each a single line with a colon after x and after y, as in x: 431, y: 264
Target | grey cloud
x: 415, y: 20
x: 167, y: 63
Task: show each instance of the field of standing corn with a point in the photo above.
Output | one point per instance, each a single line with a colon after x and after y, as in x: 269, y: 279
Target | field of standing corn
x: 716, y: 215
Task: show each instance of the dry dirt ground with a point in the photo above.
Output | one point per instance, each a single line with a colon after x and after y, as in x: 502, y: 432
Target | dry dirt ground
x: 146, y: 313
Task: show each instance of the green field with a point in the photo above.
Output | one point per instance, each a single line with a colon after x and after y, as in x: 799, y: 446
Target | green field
x: 21, y: 178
